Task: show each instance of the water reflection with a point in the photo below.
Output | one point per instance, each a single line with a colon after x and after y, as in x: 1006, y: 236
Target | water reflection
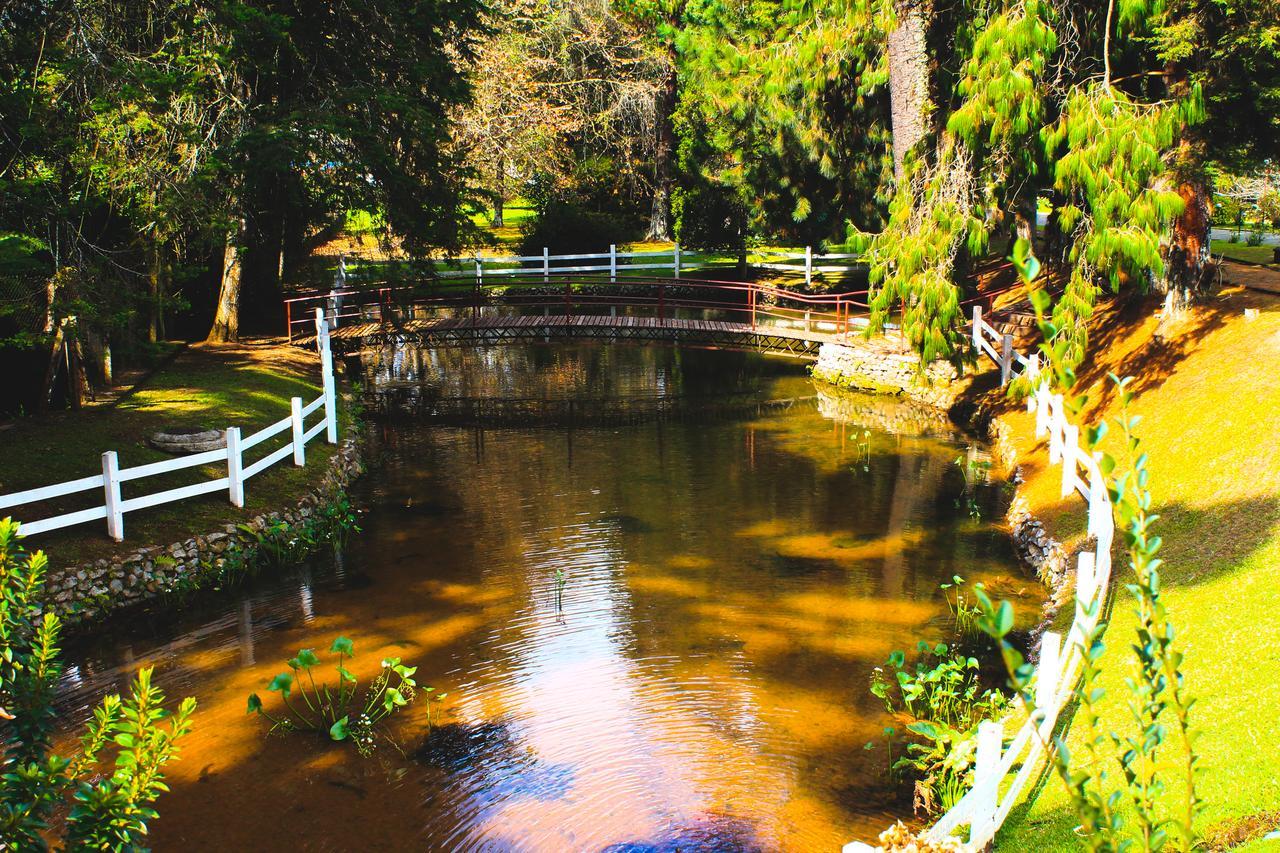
x: 728, y: 584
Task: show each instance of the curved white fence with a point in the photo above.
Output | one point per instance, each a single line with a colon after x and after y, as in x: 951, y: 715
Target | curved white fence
x: 984, y: 808
x: 114, y: 506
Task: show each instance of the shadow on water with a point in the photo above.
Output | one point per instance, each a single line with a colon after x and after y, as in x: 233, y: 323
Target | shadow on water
x: 654, y: 636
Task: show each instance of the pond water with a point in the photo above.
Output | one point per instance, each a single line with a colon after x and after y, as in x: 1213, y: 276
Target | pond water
x: 738, y: 551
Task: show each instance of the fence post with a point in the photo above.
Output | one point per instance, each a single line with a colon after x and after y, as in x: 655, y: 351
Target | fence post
x: 288, y: 320
x: 479, y: 271
x: 808, y: 266
x: 675, y: 261
x: 977, y: 328
x: 1006, y: 358
x: 1042, y: 409
x: 1047, y: 671
x: 1070, y: 452
x: 613, y: 263
x: 235, y: 467
x: 111, y: 492
x: 1056, y: 419
x: 1086, y: 578
x: 299, y: 448
x: 326, y: 378
x: 986, y: 784
x: 546, y: 264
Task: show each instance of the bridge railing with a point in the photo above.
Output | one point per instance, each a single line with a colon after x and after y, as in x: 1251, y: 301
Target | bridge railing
x: 748, y: 303
x: 1002, y: 770
x: 234, y: 456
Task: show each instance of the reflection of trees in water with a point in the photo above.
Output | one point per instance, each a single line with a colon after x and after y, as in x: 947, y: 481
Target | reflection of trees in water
x: 524, y: 371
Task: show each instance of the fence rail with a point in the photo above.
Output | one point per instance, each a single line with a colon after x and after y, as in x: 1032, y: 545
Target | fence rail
x: 114, y: 506
x: 985, y: 806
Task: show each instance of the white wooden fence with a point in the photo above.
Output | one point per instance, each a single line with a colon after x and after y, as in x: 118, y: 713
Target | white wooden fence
x: 239, y: 470
x: 984, y: 808
x: 613, y: 262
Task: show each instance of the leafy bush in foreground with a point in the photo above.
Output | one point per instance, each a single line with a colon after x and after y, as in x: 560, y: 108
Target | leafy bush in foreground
x: 116, y: 776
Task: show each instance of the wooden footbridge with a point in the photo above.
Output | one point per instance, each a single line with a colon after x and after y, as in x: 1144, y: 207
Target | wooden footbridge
x: 724, y: 314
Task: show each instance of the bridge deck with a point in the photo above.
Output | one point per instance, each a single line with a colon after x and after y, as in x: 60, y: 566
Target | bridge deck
x: 470, y: 330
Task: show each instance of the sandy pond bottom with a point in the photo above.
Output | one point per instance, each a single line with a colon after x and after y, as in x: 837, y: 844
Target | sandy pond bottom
x: 729, y: 584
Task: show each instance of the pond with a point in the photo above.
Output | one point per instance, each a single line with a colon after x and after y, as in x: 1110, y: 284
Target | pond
x: 738, y: 551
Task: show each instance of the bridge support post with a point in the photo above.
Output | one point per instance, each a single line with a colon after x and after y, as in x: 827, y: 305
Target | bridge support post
x: 1006, y: 359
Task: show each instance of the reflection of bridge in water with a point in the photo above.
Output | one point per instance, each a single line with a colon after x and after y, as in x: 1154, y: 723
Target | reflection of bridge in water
x: 726, y: 314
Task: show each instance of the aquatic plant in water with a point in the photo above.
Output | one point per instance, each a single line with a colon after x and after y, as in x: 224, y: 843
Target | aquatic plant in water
x: 335, y: 710
x: 944, y: 698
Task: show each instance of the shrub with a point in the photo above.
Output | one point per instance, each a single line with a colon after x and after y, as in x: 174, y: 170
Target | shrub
x: 102, y: 796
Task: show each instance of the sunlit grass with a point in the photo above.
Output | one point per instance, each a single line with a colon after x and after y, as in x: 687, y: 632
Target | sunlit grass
x: 1243, y: 252
x: 247, y: 386
x: 1209, y: 402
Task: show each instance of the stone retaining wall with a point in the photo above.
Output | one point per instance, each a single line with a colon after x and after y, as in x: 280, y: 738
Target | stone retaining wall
x: 82, y: 594
x: 886, y: 365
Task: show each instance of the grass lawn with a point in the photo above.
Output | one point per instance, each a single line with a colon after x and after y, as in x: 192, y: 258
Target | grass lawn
x: 1210, y: 407
x: 248, y: 385
x: 1242, y: 252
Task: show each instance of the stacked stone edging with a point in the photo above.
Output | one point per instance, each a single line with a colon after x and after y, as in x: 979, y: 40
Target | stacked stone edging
x: 81, y: 594
x: 887, y: 366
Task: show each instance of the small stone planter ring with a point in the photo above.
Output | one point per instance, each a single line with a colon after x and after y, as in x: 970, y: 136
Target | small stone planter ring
x: 180, y: 440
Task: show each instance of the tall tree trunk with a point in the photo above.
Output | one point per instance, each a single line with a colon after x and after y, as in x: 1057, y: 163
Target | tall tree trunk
x: 500, y: 182
x: 1187, y: 258
x: 1186, y: 271
x: 154, y: 322
x: 663, y: 155
x: 226, y: 320
x: 908, y: 51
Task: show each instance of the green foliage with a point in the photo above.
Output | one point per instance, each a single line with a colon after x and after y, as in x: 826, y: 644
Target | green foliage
x: 943, y: 696
x: 1269, y: 208
x: 941, y: 687
x: 1109, y: 156
x: 335, y: 711
x: 112, y: 782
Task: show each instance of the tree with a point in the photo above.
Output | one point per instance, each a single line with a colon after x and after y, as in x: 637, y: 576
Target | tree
x: 346, y: 107
x: 109, y: 113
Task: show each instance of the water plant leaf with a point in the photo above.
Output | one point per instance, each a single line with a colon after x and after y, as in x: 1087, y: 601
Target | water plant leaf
x: 282, y: 684
x: 255, y: 704
x: 307, y: 658
x: 342, y: 646
x: 339, y: 730
x: 346, y: 675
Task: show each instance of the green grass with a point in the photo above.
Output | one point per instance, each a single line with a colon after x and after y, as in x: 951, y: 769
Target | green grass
x: 1242, y: 252
x: 515, y: 213
x: 1208, y: 399
x: 248, y: 386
